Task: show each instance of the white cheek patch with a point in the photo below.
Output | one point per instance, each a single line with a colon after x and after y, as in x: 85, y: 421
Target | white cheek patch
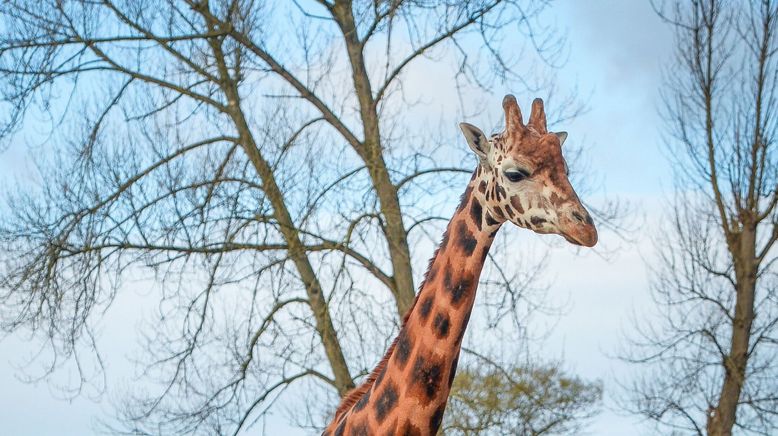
x: 527, y: 204
x: 537, y: 213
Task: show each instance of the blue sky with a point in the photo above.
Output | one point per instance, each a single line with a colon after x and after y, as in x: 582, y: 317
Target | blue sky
x: 617, y: 51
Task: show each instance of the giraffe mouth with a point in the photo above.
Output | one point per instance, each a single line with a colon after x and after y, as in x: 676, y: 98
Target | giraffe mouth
x: 571, y: 240
x: 582, y: 239
x: 568, y: 236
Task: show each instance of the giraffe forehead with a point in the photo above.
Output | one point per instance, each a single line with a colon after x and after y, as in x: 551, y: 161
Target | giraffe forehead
x: 541, y: 155
x: 540, y: 152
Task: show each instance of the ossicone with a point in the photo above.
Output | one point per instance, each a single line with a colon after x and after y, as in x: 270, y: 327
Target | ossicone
x: 514, y: 125
x: 537, y: 118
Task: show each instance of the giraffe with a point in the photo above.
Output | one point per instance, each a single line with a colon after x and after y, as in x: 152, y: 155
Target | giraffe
x: 522, y: 178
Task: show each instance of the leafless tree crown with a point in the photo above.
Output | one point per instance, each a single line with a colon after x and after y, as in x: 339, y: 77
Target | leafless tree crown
x: 250, y: 158
x: 710, y: 364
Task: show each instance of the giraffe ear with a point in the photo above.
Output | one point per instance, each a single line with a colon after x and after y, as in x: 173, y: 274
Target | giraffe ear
x: 477, y: 141
x: 562, y: 136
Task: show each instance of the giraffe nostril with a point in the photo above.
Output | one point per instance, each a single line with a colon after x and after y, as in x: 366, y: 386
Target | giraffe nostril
x: 578, y: 217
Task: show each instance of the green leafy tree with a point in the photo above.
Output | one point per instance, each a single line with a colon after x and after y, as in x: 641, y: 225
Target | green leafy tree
x: 516, y: 399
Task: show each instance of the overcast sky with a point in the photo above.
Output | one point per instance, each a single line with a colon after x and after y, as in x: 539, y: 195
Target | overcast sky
x: 618, y: 48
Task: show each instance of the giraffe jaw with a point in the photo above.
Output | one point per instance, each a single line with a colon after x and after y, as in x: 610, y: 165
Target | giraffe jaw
x: 589, y: 240
x: 583, y: 237
x: 571, y: 240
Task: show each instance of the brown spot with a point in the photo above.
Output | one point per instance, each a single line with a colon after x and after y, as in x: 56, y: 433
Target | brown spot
x: 537, y: 221
x: 498, y: 211
x: 426, y: 307
x: 476, y: 213
x: 555, y: 199
x: 516, y: 203
x: 465, y: 239
x: 425, y: 378
x: 500, y: 192
x: 403, y: 349
x: 459, y: 289
x: 409, y: 429
x: 447, y: 275
x: 386, y: 402
x: 491, y: 221
x: 482, y: 186
x: 441, y: 325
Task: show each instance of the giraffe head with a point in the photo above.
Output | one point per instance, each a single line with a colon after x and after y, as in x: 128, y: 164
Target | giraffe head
x: 523, y: 176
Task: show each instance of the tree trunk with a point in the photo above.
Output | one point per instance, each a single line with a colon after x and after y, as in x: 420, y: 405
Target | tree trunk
x: 722, y: 418
x: 371, y: 153
x: 296, y: 251
x: 316, y: 300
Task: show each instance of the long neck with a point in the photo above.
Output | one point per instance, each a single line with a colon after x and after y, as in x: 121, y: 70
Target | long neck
x: 426, y: 356
x: 409, y: 394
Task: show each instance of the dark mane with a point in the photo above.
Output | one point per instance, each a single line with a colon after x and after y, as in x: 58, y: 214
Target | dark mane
x: 355, y: 394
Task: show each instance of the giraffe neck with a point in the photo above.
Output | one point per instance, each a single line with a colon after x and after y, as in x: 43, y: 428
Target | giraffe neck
x: 408, y: 394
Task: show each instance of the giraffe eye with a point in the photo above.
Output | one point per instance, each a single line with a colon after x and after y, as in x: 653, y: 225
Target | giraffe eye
x: 516, y: 174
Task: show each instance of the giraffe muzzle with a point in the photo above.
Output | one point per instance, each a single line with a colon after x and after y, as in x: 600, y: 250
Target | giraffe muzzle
x: 579, y: 228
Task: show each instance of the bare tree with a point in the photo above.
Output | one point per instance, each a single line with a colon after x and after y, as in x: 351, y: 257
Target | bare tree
x: 245, y: 156
x: 711, y: 364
